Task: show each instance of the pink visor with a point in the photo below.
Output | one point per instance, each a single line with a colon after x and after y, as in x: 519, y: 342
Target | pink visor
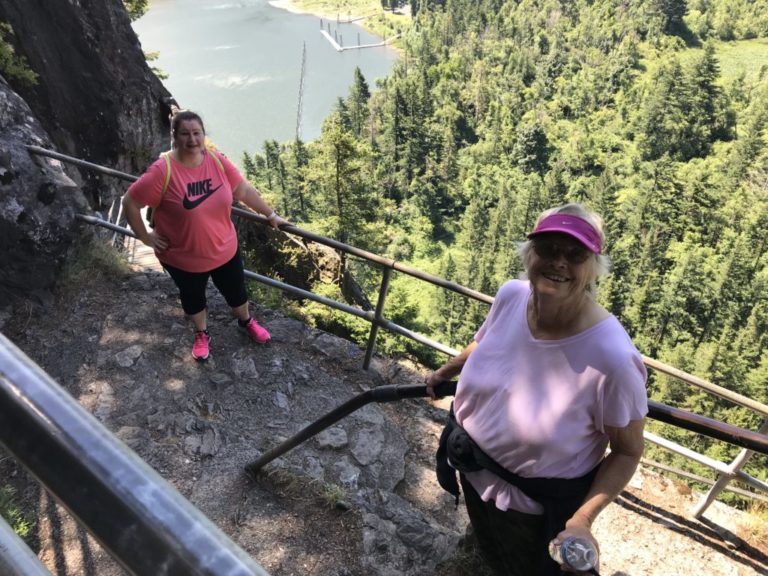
x: 572, y: 226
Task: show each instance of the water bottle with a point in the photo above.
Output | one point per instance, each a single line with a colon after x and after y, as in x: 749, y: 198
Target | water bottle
x: 575, y: 553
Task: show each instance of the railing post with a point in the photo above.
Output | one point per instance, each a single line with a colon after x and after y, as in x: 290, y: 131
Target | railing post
x: 377, y: 316
x: 738, y: 463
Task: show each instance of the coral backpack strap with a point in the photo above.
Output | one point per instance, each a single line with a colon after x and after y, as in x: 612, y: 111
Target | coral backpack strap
x: 151, y: 215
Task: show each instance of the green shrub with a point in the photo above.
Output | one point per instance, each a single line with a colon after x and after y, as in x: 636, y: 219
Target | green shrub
x: 136, y: 8
x: 13, y: 66
x: 91, y: 261
x: 10, y: 511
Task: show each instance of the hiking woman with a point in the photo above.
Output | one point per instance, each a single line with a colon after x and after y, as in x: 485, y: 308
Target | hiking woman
x: 191, y: 193
x: 550, y: 380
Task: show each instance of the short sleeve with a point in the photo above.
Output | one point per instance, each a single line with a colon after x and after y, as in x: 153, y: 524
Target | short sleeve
x: 507, y: 295
x: 230, y: 170
x: 148, y: 189
x: 625, y: 397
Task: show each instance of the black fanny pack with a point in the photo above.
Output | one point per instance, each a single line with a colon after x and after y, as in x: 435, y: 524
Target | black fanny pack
x: 457, y: 451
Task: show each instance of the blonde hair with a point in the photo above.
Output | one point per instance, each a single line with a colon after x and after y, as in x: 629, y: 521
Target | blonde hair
x: 600, y: 263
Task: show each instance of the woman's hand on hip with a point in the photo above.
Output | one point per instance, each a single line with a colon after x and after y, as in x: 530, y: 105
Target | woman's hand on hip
x: 155, y: 241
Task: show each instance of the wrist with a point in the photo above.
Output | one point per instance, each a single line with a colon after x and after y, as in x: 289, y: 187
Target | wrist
x: 272, y: 216
x: 581, y: 520
x: 444, y: 375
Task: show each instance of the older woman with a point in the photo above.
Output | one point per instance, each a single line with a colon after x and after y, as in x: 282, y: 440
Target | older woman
x: 550, y: 380
x: 191, y: 192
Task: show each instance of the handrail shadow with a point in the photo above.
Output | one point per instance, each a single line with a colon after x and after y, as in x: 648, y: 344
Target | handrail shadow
x: 702, y: 530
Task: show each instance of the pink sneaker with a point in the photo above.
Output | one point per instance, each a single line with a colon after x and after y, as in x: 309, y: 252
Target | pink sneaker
x: 256, y: 332
x: 200, y: 346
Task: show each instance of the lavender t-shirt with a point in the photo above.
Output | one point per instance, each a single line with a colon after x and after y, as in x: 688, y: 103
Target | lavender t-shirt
x: 539, y: 407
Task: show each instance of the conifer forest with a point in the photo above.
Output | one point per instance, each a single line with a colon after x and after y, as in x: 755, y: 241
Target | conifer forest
x: 651, y: 112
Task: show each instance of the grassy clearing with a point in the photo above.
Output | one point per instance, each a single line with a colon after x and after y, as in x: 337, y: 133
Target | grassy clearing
x: 749, y: 57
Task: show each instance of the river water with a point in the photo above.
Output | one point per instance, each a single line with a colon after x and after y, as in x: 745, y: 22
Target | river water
x: 238, y: 63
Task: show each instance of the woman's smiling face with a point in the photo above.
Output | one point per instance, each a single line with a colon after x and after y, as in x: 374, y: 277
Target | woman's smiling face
x: 190, y: 136
x: 560, y: 265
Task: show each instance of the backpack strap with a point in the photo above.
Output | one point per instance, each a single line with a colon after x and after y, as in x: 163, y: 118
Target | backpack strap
x: 167, y: 157
x: 215, y: 155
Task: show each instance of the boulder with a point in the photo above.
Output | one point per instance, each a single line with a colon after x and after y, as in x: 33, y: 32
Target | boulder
x: 38, y: 203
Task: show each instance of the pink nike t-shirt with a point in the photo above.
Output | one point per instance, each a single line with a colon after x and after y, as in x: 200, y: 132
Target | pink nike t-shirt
x: 194, y: 214
x: 539, y: 407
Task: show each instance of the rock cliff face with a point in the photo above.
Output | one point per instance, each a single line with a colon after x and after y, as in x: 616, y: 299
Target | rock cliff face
x: 96, y: 99
x: 38, y: 202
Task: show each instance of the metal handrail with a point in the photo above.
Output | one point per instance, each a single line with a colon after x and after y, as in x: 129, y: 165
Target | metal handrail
x: 371, y: 257
x: 730, y: 395
x: 145, y: 524
x: 305, y: 294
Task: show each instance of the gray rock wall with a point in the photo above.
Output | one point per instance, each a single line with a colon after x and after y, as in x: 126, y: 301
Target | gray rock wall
x: 95, y: 99
x: 38, y: 202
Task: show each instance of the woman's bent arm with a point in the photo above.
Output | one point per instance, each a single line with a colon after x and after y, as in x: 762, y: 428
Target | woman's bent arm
x: 616, y: 471
x: 248, y: 195
x: 136, y: 222
x: 448, y: 370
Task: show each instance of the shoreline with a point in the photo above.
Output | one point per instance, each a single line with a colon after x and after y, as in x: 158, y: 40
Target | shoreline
x: 290, y: 6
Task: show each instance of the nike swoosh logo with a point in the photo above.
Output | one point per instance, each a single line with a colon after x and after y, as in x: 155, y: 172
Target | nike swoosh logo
x: 189, y: 204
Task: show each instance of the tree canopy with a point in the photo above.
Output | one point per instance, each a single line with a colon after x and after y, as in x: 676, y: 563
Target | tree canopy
x: 499, y: 109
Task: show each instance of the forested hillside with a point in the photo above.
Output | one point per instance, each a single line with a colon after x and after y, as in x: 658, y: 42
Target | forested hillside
x: 651, y: 112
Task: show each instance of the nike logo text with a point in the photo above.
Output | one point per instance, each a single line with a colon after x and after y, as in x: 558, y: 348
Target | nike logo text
x: 197, y: 193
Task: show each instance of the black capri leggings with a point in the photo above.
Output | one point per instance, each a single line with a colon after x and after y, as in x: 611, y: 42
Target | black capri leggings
x: 228, y: 278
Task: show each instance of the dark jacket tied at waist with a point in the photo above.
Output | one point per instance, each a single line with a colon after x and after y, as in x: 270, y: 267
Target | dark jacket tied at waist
x: 560, y: 497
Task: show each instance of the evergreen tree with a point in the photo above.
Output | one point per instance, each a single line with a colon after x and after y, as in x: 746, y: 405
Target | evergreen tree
x: 532, y: 149
x: 357, y: 103
x: 344, y: 201
x: 672, y: 12
x: 249, y: 166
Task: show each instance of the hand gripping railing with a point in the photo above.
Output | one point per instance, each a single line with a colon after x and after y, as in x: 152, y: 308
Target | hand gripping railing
x: 147, y: 526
